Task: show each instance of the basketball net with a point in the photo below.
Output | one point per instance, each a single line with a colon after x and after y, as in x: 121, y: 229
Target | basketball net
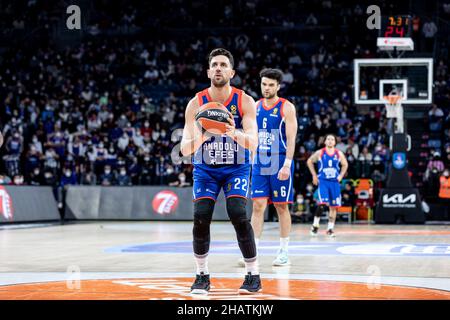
x: 393, y: 105
x: 394, y: 109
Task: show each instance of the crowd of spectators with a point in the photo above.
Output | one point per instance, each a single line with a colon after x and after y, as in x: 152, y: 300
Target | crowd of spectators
x: 104, y: 112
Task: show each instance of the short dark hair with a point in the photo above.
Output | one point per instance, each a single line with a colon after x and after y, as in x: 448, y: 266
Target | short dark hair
x: 221, y: 52
x: 274, y: 74
x: 330, y: 134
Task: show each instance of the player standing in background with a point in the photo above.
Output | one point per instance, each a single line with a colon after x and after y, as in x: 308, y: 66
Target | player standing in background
x: 332, y: 166
x: 222, y: 161
x: 273, y: 170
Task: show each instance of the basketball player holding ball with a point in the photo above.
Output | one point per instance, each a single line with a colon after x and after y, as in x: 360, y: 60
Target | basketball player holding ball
x: 332, y: 166
x: 222, y: 161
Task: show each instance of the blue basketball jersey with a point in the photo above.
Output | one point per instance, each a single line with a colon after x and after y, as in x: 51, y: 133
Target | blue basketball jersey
x: 221, y: 149
x: 329, y: 168
x: 271, y: 132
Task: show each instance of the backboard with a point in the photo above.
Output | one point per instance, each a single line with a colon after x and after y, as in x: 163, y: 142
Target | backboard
x: 376, y: 78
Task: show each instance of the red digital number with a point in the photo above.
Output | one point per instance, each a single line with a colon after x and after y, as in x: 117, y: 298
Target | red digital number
x: 399, y: 31
x: 389, y: 31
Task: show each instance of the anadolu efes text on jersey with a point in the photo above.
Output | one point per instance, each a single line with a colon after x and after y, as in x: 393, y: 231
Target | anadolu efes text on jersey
x: 222, y: 149
x: 329, y: 168
x: 271, y: 132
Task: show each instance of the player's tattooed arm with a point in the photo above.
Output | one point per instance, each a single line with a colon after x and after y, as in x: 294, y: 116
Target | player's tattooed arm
x: 290, y: 119
x: 310, y: 163
x: 192, y: 135
x: 344, y: 165
x: 247, y: 138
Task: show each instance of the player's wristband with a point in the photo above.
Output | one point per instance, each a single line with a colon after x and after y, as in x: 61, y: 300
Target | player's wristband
x: 287, y: 163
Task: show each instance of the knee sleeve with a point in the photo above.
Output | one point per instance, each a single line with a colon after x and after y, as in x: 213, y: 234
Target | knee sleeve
x: 319, y: 210
x: 203, y: 211
x: 236, y: 208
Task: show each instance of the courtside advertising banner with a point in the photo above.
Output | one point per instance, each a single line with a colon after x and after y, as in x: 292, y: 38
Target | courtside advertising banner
x: 136, y: 203
x: 27, y: 204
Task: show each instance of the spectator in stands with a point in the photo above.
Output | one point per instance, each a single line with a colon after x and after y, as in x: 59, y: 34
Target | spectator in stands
x: 68, y: 178
x: 14, y: 144
x: 435, y: 116
x: 87, y: 176
x: 444, y: 190
x: 435, y: 162
x: 429, y: 30
x: 36, y: 178
x: 107, y: 178
x: 18, y: 180
x: 123, y: 179
x: 299, y: 208
x: 309, y: 198
x: 181, y: 182
x: 4, y: 180
x: 348, y: 195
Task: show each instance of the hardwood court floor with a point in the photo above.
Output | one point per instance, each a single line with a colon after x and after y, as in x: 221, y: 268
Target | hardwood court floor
x: 153, y: 260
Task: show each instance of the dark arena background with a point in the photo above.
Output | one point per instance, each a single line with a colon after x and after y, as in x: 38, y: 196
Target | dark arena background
x: 96, y: 200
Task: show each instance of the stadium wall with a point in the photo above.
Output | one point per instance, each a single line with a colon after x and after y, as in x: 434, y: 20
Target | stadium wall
x: 27, y: 204
x: 136, y: 203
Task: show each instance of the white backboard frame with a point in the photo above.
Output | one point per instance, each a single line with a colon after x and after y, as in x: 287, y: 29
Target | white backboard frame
x: 357, y: 63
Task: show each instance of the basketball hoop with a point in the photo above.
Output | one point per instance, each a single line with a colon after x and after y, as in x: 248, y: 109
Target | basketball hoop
x: 393, y: 105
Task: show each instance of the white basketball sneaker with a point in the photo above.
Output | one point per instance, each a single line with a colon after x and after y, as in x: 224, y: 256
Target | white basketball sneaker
x: 282, y: 259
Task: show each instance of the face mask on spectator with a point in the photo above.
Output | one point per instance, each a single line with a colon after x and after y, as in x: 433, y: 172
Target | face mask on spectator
x: 123, y: 172
x: 446, y: 173
x: 182, y: 178
x: 300, y: 200
x: 309, y: 187
x: 146, y: 124
x: 35, y: 139
x: 107, y: 171
x: 18, y: 180
x: 170, y: 171
x: 147, y: 159
x: 36, y: 172
x: 68, y: 173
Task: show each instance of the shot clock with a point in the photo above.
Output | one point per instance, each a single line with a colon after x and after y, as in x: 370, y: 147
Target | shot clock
x: 395, y: 33
x: 395, y: 27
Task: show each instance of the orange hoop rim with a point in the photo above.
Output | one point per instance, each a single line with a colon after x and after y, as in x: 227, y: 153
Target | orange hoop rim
x: 393, y: 100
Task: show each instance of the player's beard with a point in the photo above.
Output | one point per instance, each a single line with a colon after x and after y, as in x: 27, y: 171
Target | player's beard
x: 269, y: 96
x: 220, y: 83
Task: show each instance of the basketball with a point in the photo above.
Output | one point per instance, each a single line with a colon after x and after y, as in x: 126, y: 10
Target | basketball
x: 213, y: 117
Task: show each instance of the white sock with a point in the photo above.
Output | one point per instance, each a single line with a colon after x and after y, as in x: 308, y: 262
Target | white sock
x: 202, y: 263
x: 330, y: 225
x: 316, y: 222
x: 284, y: 242
x: 252, y: 267
x: 257, y: 243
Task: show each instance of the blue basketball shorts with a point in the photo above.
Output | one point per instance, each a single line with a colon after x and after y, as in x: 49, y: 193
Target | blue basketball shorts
x: 271, y: 188
x: 209, y: 180
x: 329, y: 193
